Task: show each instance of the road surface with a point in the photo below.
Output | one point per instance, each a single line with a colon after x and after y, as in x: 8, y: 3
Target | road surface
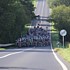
x: 39, y: 58
x: 44, y: 11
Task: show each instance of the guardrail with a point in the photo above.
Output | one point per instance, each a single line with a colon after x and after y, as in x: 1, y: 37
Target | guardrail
x: 5, y: 45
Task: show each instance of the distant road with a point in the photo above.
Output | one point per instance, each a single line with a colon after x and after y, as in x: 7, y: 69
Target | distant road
x: 44, y: 11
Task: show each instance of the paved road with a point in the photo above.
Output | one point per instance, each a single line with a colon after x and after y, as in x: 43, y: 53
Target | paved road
x: 39, y: 58
x: 44, y: 11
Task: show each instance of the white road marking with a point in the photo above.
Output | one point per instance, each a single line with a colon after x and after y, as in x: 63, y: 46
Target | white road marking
x: 59, y: 61
x: 9, y: 55
x: 64, y: 67
x: 42, y: 9
x: 14, y: 53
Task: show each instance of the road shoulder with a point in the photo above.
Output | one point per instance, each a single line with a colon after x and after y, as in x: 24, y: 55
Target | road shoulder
x: 65, y: 62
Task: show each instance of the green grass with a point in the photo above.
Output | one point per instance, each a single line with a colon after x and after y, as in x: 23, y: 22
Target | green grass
x: 53, y: 29
x: 64, y: 52
x: 2, y: 48
x: 55, y: 36
x: 27, y: 25
x: 35, y: 2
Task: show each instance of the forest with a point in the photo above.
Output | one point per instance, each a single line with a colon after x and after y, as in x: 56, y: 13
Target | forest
x: 14, y: 14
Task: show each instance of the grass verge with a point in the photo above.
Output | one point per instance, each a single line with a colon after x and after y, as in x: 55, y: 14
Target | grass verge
x: 2, y: 48
x: 64, y: 52
x: 34, y: 3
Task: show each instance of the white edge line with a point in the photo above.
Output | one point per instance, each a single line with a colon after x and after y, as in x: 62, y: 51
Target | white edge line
x: 64, y: 67
x: 59, y: 61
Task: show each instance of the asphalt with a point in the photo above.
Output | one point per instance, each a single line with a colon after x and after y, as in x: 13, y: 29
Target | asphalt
x: 36, y: 58
x: 43, y: 10
x: 39, y: 58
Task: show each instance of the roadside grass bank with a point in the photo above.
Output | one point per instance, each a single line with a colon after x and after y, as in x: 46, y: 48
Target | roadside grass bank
x: 64, y: 52
x: 5, y: 46
x: 2, y: 48
x: 34, y: 3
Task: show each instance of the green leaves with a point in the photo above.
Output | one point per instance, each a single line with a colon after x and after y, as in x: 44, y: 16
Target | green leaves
x: 14, y: 14
x: 55, y: 3
x: 61, y: 16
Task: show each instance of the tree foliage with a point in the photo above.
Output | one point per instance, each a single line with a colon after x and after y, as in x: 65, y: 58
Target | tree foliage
x: 14, y: 14
x: 55, y: 3
x: 61, y: 16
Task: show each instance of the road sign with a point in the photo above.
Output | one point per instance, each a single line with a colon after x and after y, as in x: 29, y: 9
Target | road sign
x: 63, y: 33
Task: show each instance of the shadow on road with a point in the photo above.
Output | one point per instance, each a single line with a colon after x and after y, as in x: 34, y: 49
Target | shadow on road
x: 29, y: 49
x: 39, y: 49
x: 22, y: 68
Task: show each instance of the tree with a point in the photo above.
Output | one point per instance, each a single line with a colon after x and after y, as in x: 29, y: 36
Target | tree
x: 29, y: 7
x: 56, y: 3
x: 14, y: 14
x: 61, y: 16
